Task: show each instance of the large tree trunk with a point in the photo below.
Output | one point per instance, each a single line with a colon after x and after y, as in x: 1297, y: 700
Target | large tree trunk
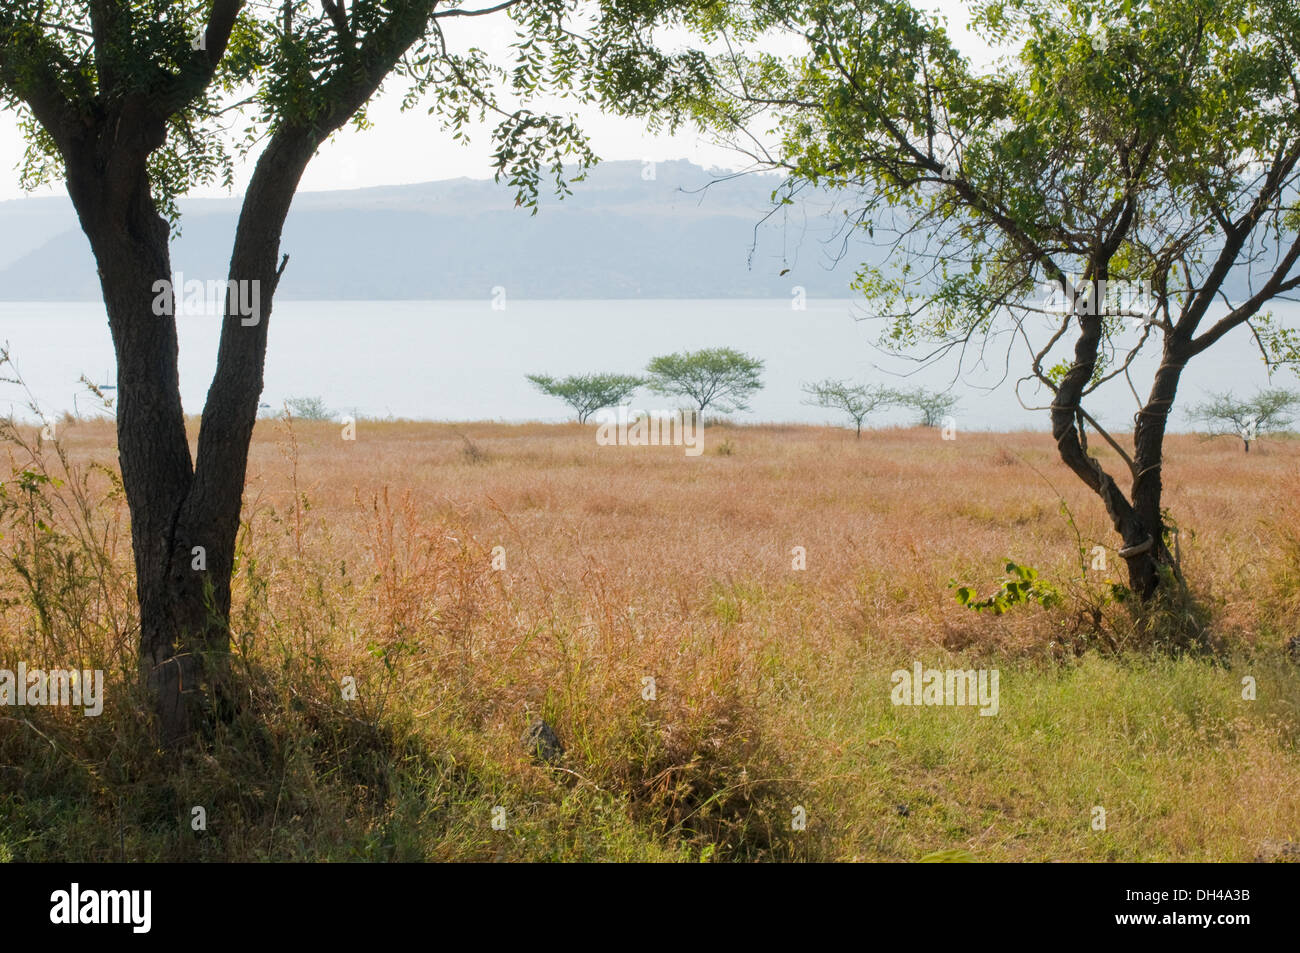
x: 184, y: 515
x: 1137, y: 518
x: 109, y: 186
x: 1148, y: 458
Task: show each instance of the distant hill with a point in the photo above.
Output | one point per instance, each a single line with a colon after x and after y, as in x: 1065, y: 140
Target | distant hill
x: 621, y: 234
x: 683, y: 233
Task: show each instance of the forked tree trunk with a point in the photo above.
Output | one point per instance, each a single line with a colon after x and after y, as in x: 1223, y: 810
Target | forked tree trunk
x: 185, y: 512
x: 1138, y: 517
x: 184, y: 515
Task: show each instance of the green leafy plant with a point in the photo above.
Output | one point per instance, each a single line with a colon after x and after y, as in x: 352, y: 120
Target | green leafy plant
x: 1023, y: 588
x: 955, y: 855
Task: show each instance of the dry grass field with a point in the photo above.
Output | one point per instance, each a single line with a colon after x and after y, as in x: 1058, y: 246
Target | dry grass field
x: 711, y: 698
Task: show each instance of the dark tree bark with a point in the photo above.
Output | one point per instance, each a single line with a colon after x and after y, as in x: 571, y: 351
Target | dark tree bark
x: 178, y: 503
x: 109, y: 185
x: 1138, y: 521
x: 184, y: 515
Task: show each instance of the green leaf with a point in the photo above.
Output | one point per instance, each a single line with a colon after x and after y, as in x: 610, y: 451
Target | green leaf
x: 954, y: 855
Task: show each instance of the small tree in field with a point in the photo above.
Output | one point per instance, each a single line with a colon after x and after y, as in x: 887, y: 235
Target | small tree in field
x: 856, y: 400
x: 718, y: 377
x: 588, y: 393
x: 1268, y: 410
x: 932, y: 405
x: 308, y: 408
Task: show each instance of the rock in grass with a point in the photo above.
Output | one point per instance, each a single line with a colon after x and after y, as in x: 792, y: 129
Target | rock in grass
x: 541, y: 741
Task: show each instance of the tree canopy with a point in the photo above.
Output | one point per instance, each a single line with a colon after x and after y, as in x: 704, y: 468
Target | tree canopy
x: 1271, y: 409
x: 857, y: 401
x: 588, y: 393
x: 933, y: 406
x: 218, y: 79
x: 1081, y: 199
x: 721, y: 378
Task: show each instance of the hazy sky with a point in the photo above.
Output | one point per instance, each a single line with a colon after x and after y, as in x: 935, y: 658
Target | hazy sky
x: 411, y: 147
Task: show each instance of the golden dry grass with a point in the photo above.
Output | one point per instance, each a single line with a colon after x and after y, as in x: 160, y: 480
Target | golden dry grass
x: 373, y: 559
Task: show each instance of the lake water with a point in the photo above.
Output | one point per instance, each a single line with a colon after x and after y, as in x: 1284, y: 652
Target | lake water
x: 465, y: 360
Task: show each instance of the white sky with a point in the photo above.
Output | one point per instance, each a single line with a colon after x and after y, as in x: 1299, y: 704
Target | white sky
x: 411, y: 147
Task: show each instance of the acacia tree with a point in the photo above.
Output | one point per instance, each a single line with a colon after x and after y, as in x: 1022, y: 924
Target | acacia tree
x: 719, y: 377
x: 933, y: 406
x: 129, y: 103
x: 1271, y: 409
x: 588, y: 393
x: 1123, y: 180
x: 856, y: 400
x: 308, y: 408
